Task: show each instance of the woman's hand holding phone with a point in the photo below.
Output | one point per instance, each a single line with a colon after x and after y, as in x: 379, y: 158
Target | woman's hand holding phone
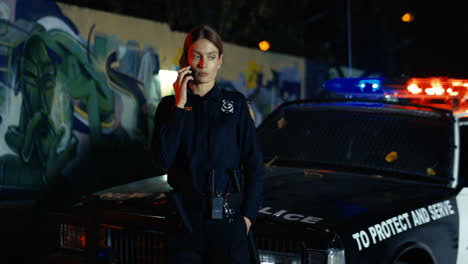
x: 180, y: 86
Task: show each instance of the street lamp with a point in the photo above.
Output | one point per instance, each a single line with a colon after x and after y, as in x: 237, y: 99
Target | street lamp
x: 408, y: 17
x: 264, y: 45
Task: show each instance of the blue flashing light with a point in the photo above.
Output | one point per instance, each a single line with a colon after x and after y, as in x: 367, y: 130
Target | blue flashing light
x: 355, y: 85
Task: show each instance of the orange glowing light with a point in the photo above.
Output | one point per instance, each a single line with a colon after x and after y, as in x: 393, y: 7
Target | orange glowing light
x: 264, y: 45
x: 408, y: 17
x: 414, y: 89
x: 429, y: 91
x: 437, y: 86
x: 435, y: 90
x: 439, y: 90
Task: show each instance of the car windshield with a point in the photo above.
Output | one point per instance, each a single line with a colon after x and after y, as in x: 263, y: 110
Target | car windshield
x: 373, y: 137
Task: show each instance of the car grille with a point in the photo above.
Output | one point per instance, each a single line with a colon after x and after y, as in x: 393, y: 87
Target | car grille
x: 316, y: 257
x: 287, y: 251
x: 276, y: 245
x: 130, y: 246
x: 133, y: 246
x: 149, y: 247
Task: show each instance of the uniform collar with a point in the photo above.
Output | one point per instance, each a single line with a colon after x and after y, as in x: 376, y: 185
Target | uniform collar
x: 213, y: 94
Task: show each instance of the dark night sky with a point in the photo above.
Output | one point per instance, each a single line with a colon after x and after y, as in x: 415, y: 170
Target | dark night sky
x: 433, y: 45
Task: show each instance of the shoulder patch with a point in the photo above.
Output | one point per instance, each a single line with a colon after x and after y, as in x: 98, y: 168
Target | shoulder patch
x: 252, y: 114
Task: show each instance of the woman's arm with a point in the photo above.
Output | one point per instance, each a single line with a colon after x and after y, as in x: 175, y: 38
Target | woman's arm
x: 168, y: 127
x: 169, y: 121
x: 252, y: 162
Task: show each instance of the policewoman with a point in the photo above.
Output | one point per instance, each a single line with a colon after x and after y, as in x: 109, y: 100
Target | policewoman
x: 206, y: 138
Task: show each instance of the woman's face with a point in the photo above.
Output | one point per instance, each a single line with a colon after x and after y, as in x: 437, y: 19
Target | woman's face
x: 204, y: 59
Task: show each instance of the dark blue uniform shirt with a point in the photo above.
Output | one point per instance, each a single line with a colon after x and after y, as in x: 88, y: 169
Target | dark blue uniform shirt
x: 214, y: 134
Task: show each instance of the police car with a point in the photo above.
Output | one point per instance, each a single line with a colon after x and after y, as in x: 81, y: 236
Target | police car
x: 367, y: 173
x: 376, y: 175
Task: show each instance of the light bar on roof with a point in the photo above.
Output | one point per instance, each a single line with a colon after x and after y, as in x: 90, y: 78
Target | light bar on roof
x: 355, y: 85
x: 437, y: 86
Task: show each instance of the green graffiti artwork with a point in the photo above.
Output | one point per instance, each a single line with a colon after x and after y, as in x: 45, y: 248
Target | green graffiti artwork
x: 67, y: 95
x: 37, y: 137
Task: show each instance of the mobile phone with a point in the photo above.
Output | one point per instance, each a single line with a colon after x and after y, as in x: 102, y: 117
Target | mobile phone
x: 190, y: 74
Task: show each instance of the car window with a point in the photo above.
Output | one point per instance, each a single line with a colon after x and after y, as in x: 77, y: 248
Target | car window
x: 393, y: 140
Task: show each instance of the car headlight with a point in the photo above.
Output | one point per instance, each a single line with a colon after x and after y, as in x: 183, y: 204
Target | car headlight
x: 332, y: 256
x: 271, y: 257
x: 336, y: 256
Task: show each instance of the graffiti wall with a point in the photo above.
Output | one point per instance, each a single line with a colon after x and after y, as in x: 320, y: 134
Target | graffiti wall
x: 266, y: 78
x: 79, y: 88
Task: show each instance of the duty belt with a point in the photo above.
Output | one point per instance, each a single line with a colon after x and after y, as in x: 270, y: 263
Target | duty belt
x: 228, y: 205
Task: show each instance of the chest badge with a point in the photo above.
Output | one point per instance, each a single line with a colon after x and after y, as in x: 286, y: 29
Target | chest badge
x: 228, y: 106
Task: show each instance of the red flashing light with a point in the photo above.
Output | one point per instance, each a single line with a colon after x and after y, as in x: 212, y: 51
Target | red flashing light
x: 414, y: 88
x: 437, y: 86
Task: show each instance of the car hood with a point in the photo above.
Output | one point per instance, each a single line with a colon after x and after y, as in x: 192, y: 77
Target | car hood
x: 308, y: 205
x: 326, y: 199
x: 314, y: 197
